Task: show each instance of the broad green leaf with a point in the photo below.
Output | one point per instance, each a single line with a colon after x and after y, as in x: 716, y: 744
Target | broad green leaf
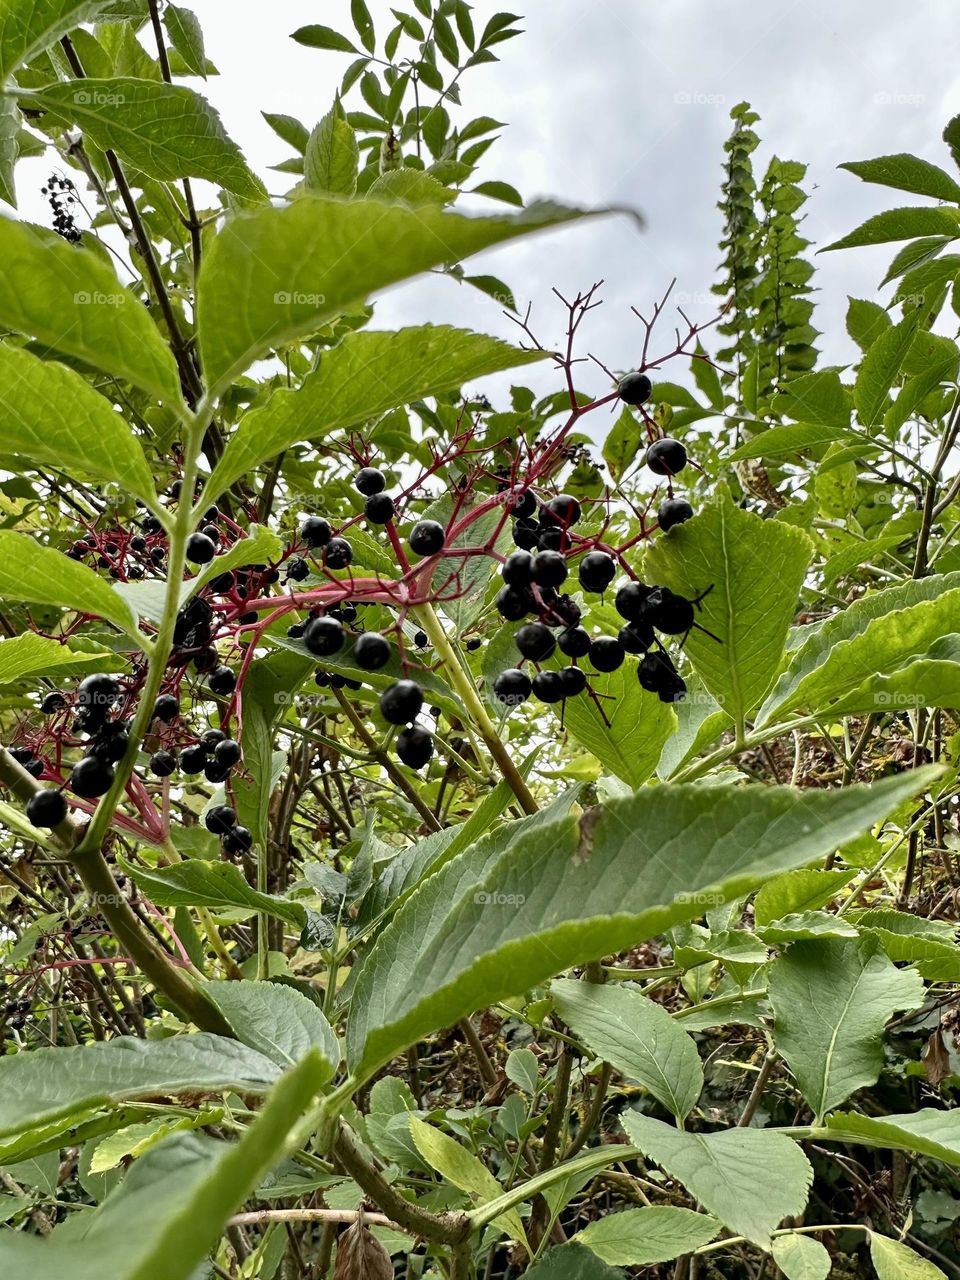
x: 178, y: 1198
x: 331, y: 157
x: 48, y: 1084
x: 880, y: 367
x: 780, y: 442
x: 803, y: 890
x: 856, y: 554
x: 30, y: 654
x: 638, y: 1037
x: 257, y: 546
x: 831, y: 1001
x: 916, y: 390
x: 218, y: 885
x: 907, y: 173
x: 801, y: 926
x: 930, y: 679
x: 641, y: 1237
x: 320, y: 37
x: 865, y: 639
x: 572, y: 1262
x: 523, y: 1069
x: 893, y: 1260
x: 464, y: 1170
x: 624, y: 442
x: 801, y: 1257
x: 29, y: 26
x: 36, y: 574
x: 277, y: 1021
x: 9, y: 149
x: 639, y: 724
x: 71, y: 299
x: 53, y: 417
x: 755, y: 568
x: 186, y: 36
x: 819, y: 398
x: 929, y: 944
x: 928, y: 1132
x: 367, y: 374
x: 167, y: 131
x: 274, y: 275
x: 899, y: 224
x: 751, y: 1179
x: 866, y: 321
x: 135, y: 1140
x: 493, y: 922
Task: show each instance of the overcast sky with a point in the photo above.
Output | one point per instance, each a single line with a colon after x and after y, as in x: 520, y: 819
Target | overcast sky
x: 627, y: 102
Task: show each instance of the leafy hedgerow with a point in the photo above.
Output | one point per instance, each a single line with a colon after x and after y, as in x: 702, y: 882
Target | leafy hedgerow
x: 435, y: 844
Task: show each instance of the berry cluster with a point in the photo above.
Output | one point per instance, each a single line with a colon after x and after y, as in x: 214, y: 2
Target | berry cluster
x: 62, y: 195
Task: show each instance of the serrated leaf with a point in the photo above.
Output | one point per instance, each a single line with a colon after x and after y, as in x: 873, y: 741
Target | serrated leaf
x: 331, y: 156
x: 641, y: 1237
x: 71, y: 299
x: 880, y: 367
x: 167, y: 131
x: 30, y: 654
x: 801, y: 1257
x: 638, y: 1037
x: 928, y: 1132
x: 831, y: 1001
x: 135, y: 1140
x: 819, y: 398
x: 751, y: 1179
x: 218, y: 885
x: 907, y: 173
x: 893, y: 1260
x: 39, y: 575
x: 9, y: 149
x: 563, y: 893
x: 571, y: 1262
x: 866, y: 321
x: 367, y: 374
x: 186, y: 36
x: 52, y: 416
x: 273, y: 275
x: 29, y: 26
x: 915, y: 391
x: 317, y: 36
x: 803, y: 890
x: 899, y: 224
x: 755, y: 568
x: 465, y: 1171
x: 277, y: 1021
x: 624, y: 442
x: 781, y: 441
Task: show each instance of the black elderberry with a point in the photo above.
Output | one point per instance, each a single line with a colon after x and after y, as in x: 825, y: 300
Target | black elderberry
x: 298, y: 569
x: 563, y: 510
x: 535, y: 641
x: 200, y: 548
x: 511, y: 687
x: 606, y: 653
x: 634, y: 388
x: 521, y: 503
x: 337, y: 554
x: 636, y: 637
x: 401, y: 702
x: 597, y: 571
x: 91, y: 777
x: 551, y: 538
x: 221, y: 584
x: 549, y: 569
x: 219, y: 818
x: 150, y: 525
x: 574, y: 681
x: 323, y: 636
x: 427, y: 537
x: 548, y: 686
x: 237, y: 840
x: 371, y: 651
x: 666, y: 457
x: 315, y: 532
x: 46, y: 808
x: 166, y: 708
x: 227, y: 753
x: 526, y: 534
x: 53, y: 703
x: 215, y: 772
x: 211, y: 737
x: 379, y: 508
x: 193, y: 759
x: 631, y: 600
x: 162, y: 763
x: 420, y: 639
x: 206, y: 659
x: 658, y: 675
x: 34, y: 767
x: 22, y: 755
x: 221, y: 681
x: 98, y: 691
x: 369, y: 481
x: 673, y: 511
x: 296, y: 630
x: 474, y: 643
x: 517, y: 569
x: 414, y: 746
x: 514, y: 603
x: 137, y: 543
x: 574, y: 642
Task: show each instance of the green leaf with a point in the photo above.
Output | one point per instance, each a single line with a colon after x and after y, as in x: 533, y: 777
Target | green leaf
x: 464, y: 1170
x: 186, y: 36
x: 277, y: 1021
x: 331, y: 157
x: 9, y: 149
x: 638, y: 1037
x: 819, y: 398
x: 751, y: 1179
x: 629, y: 745
x: 367, y: 374
x: 801, y: 1257
x: 35, y: 574
x: 880, y: 367
x: 782, y: 441
x: 179, y: 1197
x: 640, y: 1237
x: 289, y: 128
x: 876, y: 634
x: 803, y: 890
x: 167, y: 131
x: 899, y: 224
x: 52, y: 416
x: 831, y: 1001
x: 624, y: 442
x: 523, y: 1069
x: 494, y: 921
x: 499, y: 191
x: 755, y: 568
x: 928, y: 1132
x: 71, y: 299
x: 258, y: 544
x: 866, y: 321
x: 48, y: 1084
x: 316, y: 36
x: 571, y: 1262
x: 907, y: 173
x: 31, y: 654
x: 707, y: 380
x: 916, y: 390
x: 929, y: 944
x: 135, y: 1140
x: 274, y: 275
x: 29, y: 26
x: 893, y: 1260
x: 218, y: 885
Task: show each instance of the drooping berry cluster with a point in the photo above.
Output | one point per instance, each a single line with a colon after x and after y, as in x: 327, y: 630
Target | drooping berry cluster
x: 62, y: 195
